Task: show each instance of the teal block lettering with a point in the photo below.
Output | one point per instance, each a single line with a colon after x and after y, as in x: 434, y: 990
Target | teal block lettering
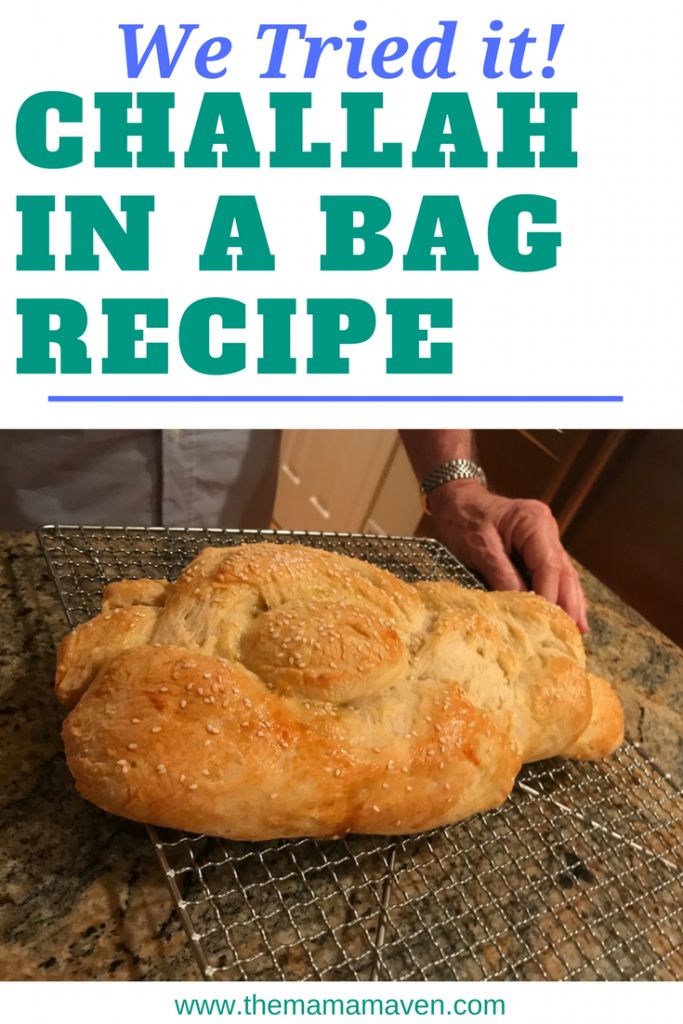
x: 441, y: 224
x: 35, y: 232
x: 38, y: 336
x: 123, y: 334
x: 277, y: 336
x: 504, y: 241
x: 31, y: 130
x: 406, y: 335
x: 330, y: 333
x: 194, y: 336
x: 555, y: 129
x: 152, y: 128
x: 341, y: 232
x: 128, y: 246
x: 237, y: 224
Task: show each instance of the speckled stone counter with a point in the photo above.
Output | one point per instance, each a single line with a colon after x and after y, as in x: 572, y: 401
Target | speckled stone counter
x: 81, y: 894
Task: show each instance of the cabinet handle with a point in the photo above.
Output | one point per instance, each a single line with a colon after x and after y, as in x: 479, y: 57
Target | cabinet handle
x: 318, y: 507
x: 296, y: 480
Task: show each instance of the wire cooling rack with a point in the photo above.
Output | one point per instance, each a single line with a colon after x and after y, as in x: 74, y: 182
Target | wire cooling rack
x: 578, y: 876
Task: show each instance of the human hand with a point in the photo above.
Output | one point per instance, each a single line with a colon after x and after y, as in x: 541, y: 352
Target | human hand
x: 483, y: 529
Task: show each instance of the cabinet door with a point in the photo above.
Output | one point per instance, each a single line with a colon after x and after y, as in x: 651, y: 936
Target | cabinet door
x: 397, y: 508
x: 628, y: 528
x: 328, y: 478
x: 522, y: 463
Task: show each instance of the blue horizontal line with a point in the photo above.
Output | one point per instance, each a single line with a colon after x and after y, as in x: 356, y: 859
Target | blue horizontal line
x: 335, y: 398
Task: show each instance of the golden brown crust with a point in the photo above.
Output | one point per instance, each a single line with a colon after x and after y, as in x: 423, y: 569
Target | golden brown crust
x: 605, y: 731
x: 278, y: 690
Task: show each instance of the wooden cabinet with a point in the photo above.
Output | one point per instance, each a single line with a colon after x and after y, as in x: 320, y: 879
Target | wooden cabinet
x: 346, y: 480
x: 329, y: 477
x: 397, y: 506
x: 629, y: 528
x: 525, y: 463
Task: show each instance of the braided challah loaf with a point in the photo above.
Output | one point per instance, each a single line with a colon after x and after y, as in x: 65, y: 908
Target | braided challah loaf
x: 277, y: 690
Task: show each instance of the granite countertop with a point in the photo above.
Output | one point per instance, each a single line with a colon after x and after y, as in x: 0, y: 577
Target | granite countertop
x: 81, y: 893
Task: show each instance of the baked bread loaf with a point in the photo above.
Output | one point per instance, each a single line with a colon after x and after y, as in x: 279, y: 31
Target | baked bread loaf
x: 276, y: 690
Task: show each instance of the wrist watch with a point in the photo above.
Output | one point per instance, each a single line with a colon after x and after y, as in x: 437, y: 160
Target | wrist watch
x: 454, y: 469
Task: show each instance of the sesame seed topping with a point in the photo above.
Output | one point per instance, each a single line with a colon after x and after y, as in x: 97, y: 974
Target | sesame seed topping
x: 246, y: 702
x: 377, y: 749
x: 132, y: 746
x: 161, y: 768
x: 193, y: 786
x: 375, y: 808
x: 207, y: 743
x: 189, y: 687
x: 156, y: 728
x: 121, y: 761
x: 385, y: 785
x: 273, y: 796
x: 135, y: 721
x: 442, y: 765
x: 337, y: 772
x: 409, y: 789
x: 183, y: 703
x: 405, y: 769
x: 163, y: 689
x: 408, y: 735
x: 213, y: 729
x: 200, y: 691
x: 205, y: 771
x: 206, y: 675
x: 183, y: 777
x: 208, y: 700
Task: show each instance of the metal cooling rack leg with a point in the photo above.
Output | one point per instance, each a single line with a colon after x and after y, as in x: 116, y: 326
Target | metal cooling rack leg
x: 381, y: 931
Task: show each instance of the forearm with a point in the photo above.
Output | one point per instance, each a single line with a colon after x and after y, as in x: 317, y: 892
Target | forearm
x: 487, y: 532
x: 428, y: 449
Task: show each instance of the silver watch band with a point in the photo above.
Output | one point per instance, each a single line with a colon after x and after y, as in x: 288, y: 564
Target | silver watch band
x: 455, y: 469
